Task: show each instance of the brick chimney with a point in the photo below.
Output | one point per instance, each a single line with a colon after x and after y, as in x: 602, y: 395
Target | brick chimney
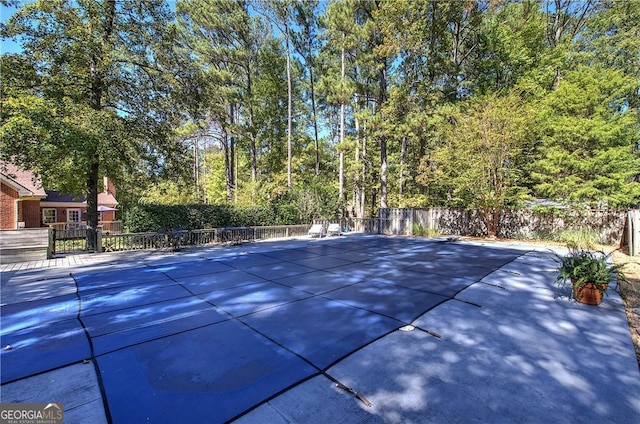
x: 109, y: 187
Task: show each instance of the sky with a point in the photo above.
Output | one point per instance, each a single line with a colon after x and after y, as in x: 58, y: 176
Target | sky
x: 11, y: 46
x: 8, y: 46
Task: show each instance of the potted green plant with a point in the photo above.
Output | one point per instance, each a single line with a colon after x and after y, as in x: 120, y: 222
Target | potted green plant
x: 589, y: 274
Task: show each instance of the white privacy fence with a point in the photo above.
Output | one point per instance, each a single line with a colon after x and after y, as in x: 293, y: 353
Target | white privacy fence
x: 633, y: 232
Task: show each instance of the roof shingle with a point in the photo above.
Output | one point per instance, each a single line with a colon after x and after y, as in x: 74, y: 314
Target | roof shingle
x: 24, y: 178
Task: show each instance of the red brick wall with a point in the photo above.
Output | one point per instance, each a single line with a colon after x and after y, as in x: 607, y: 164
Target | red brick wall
x: 109, y: 215
x: 7, y: 207
x: 110, y: 187
x: 61, y: 213
x: 31, y: 213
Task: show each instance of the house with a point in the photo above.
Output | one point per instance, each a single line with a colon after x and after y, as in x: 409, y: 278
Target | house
x: 25, y: 204
x: 60, y: 208
x: 20, y: 195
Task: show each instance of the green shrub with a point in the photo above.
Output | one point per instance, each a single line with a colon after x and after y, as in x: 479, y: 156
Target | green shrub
x: 540, y: 235
x: 431, y: 232
x: 581, y: 267
x: 153, y: 217
x: 419, y: 230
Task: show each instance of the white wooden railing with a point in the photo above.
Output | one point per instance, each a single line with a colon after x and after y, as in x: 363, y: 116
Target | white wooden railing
x: 114, y: 227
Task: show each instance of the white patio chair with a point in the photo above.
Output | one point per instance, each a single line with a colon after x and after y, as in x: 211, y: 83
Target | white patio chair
x: 316, y: 230
x: 334, y: 230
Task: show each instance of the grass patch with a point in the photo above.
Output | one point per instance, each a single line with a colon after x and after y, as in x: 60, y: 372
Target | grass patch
x: 421, y: 231
x: 579, y: 238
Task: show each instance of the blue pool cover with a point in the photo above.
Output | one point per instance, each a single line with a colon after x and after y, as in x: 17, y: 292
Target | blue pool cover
x: 206, y: 340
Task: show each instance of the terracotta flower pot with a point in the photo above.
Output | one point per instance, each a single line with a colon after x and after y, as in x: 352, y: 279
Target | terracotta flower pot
x: 588, y: 294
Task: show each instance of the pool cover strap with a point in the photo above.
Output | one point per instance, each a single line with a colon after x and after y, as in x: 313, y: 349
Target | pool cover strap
x: 353, y: 392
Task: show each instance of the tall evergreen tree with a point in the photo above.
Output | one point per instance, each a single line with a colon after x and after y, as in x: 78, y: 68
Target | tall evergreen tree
x: 307, y: 45
x: 226, y: 41
x: 589, y: 151
x: 612, y: 39
x: 279, y: 12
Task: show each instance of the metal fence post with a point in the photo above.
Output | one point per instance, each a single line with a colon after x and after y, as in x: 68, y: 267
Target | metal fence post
x: 51, y: 246
x: 90, y: 245
x: 99, y: 240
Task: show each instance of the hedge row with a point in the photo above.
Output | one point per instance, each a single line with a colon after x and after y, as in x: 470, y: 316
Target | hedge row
x: 147, y: 218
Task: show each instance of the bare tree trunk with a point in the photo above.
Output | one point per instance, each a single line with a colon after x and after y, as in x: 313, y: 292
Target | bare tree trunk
x: 383, y: 172
x: 315, y: 121
x: 232, y: 158
x: 382, y: 97
x: 403, y: 165
x: 98, y: 87
x: 568, y: 20
x: 235, y: 178
x: 289, y: 111
x: 227, y: 165
x: 252, y: 133
x: 341, y: 177
x: 227, y: 143
x: 554, y: 38
x: 196, y: 164
x: 491, y: 220
x: 92, y: 202
x: 363, y: 177
x: 341, y: 170
x: 452, y: 93
x: 356, y: 181
x: 253, y: 151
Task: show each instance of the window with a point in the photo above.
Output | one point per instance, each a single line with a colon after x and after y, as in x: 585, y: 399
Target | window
x: 74, y: 215
x: 49, y: 216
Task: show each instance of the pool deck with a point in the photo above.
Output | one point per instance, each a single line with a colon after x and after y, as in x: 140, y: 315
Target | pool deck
x: 364, y: 329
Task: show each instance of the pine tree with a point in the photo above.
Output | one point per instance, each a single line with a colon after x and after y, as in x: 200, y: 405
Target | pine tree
x: 589, y: 152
